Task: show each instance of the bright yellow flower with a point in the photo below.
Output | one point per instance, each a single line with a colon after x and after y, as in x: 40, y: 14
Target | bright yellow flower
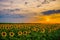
x: 43, y: 30
x: 29, y: 31
x: 11, y: 34
x: 50, y: 30
x: 8, y: 28
x: 18, y: 27
x: 35, y: 29
x: 0, y: 27
x: 25, y: 32
x: 19, y: 33
x: 3, y: 34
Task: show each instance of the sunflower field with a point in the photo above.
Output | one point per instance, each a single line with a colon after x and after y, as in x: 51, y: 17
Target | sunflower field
x: 29, y: 31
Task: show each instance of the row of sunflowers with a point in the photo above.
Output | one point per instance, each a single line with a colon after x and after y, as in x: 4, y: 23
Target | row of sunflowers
x: 29, y: 31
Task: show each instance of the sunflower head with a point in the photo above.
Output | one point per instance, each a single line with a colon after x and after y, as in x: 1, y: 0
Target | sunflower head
x: 11, y: 34
x: 25, y: 32
x: 29, y: 31
x: 3, y: 34
x: 50, y: 30
x: 8, y: 28
x: 19, y: 33
x: 35, y: 29
x: 43, y: 30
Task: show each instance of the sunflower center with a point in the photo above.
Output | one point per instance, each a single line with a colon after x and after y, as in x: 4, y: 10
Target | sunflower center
x: 3, y: 33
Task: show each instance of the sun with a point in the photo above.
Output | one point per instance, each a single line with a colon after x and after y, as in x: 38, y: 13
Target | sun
x: 48, y: 19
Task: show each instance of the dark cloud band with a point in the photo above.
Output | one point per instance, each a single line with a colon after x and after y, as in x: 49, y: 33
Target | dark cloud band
x: 49, y: 12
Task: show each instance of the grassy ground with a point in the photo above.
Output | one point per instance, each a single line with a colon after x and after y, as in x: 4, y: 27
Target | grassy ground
x: 29, y: 31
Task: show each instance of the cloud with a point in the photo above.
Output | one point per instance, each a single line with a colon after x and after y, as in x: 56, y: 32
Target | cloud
x: 12, y: 13
x: 26, y: 10
x: 33, y: 5
x: 12, y: 10
x: 49, y: 12
x: 7, y: 14
x: 3, y: 5
x: 3, y: 0
x: 11, y: 16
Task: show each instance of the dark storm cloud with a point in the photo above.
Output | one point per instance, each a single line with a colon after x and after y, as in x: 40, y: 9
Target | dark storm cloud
x: 51, y: 12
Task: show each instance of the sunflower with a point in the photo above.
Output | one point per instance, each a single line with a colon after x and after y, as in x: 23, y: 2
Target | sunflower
x: 43, y: 30
x: 18, y: 27
x: 15, y: 27
x: 3, y: 34
x: 50, y: 30
x: 29, y: 31
x: 35, y: 29
x: 19, y: 33
x: 8, y: 27
x: 0, y: 27
x: 25, y: 32
x: 11, y: 34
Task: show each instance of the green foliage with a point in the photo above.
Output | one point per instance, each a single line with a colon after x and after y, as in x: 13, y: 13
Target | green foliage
x: 32, y: 32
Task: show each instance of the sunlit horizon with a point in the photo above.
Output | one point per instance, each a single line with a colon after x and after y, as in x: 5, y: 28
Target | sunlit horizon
x: 29, y: 11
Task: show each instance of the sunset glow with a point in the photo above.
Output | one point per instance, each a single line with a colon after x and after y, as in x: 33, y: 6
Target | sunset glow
x: 30, y: 11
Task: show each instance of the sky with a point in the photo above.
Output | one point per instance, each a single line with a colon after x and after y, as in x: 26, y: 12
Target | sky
x: 29, y: 11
